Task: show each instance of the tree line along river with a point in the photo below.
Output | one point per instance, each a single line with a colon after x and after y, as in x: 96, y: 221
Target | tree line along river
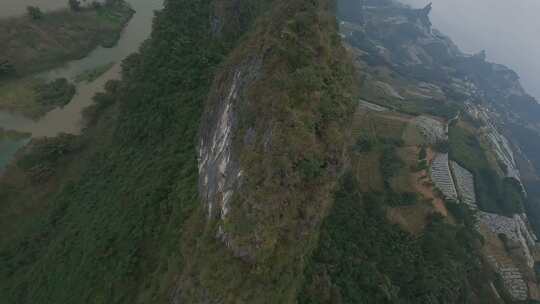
x: 68, y: 118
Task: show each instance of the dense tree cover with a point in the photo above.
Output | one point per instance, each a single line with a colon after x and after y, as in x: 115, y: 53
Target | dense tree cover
x: 42, y: 159
x: 116, y: 232
x: 361, y: 258
x: 446, y: 109
x: 112, y: 235
x: 58, y: 92
x: 299, y: 109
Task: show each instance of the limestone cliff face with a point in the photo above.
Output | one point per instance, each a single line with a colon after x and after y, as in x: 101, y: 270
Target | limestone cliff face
x: 255, y: 138
x: 272, y: 142
x: 220, y: 174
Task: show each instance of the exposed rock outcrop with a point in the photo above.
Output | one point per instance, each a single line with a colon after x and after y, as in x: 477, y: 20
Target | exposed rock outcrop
x: 272, y: 142
x: 219, y: 170
x: 442, y: 177
x: 464, y: 185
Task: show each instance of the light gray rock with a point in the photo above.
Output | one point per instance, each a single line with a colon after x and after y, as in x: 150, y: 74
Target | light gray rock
x: 464, y: 184
x: 442, y: 177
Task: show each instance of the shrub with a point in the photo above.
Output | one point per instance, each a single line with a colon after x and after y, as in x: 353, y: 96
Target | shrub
x: 422, y: 165
x: 363, y: 145
x: 423, y: 153
x: 6, y: 68
x: 55, y: 93
x: 34, y: 12
x: 461, y: 212
x: 74, y: 5
x: 311, y: 168
x: 96, y: 5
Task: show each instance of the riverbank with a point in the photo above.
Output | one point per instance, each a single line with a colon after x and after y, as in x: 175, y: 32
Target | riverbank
x: 31, y: 46
x: 33, y: 97
x: 10, y: 143
x: 34, y: 46
x: 13, y: 135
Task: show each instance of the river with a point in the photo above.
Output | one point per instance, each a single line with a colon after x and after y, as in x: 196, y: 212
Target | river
x: 68, y: 118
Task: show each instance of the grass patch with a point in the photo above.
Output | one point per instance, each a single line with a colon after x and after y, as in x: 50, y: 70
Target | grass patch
x: 33, y: 97
x: 19, y: 95
x: 381, y: 157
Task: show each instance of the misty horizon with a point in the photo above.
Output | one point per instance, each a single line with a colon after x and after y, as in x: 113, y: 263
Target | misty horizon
x: 506, y: 30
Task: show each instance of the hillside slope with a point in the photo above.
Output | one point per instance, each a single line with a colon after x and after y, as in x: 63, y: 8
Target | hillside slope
x: 114, y: 216
x: 267, y: 152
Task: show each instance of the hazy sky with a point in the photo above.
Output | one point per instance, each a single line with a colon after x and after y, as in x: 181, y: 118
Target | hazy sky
x: 509, y: 30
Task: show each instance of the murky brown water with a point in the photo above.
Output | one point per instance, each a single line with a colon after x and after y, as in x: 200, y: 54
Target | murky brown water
x: 60, y: 120
x: 68, y: 119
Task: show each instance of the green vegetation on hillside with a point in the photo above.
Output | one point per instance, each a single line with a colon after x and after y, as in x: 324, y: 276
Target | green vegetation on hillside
x: 34, y: 12
x: 361, y: 258
x: 112, y: 234
x: 305, y: 99
x: 128, y: 226
x: 43, y: 158
x: 494, y: 193
x: 117, y: 217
